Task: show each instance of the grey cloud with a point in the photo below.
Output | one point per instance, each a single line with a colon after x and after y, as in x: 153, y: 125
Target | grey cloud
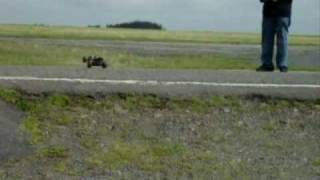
x: 238, y: 15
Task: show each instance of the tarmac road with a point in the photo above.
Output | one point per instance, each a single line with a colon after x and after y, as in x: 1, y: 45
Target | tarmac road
x: 12, y: 140
x: 80, y: 80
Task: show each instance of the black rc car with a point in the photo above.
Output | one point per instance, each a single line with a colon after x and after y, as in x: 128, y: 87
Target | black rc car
x: 94, y: 61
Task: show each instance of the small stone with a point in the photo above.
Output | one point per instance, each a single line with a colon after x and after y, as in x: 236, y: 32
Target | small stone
x: 84, y: 116
x: 226, y: 110
x: 111, y: 127
x: 119, y: 173
x: 157, y: 115
x: 119, y: 110
x: 240, y: 123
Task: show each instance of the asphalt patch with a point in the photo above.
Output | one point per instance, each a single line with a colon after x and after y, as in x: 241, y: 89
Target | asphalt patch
x: 12, y: 140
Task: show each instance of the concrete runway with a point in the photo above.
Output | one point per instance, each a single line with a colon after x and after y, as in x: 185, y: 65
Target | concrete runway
x: 80, y: 80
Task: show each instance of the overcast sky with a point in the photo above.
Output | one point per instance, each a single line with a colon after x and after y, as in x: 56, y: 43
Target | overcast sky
x: 219, y: 15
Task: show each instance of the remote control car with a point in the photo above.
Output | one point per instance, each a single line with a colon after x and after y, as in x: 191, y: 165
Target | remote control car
x: 94, y: 61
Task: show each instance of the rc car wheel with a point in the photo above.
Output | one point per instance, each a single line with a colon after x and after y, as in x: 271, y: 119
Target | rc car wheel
x: 104, y: 65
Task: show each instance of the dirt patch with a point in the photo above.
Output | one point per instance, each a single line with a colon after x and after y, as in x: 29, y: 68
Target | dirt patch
x: 12, y: 141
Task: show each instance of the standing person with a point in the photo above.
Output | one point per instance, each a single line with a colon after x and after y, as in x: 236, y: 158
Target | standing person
x: 276, y: 23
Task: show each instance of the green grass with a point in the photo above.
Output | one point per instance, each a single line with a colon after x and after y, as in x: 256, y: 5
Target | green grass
x: 69, y: 32
x: 123, y: 153
x: 33, y: 127
x: 2, y: 174
x: 10, y: 96
x: 316, y: 162
x: 152, y: 157
x: 13, y: 53
x: 207, y: 143
x: 56, y: 151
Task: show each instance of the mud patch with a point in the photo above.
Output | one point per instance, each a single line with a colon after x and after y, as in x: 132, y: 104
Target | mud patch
x: 12, y: 141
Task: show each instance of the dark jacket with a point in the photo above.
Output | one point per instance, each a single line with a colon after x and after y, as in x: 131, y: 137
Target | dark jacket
x: 281, y: 8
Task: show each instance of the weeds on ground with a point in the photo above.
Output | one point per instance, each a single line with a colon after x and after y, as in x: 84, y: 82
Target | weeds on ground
x: 97, y: 146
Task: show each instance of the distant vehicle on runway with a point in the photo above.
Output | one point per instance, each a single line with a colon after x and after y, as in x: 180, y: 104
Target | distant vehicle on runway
x: 94, y: 61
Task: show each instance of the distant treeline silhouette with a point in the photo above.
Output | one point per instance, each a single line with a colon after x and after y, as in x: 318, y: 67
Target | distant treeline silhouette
x: 94, y: 26
x: 137, y: 25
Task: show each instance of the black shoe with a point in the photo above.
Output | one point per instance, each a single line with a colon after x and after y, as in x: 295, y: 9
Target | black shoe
x: 283, y: 69
x: 265, y: 69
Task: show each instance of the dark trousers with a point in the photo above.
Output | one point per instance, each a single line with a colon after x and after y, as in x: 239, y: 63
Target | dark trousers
x: 275, y: 28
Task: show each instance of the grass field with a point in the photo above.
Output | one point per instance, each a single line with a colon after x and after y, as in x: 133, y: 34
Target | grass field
x: 64, y: 32
x: 14, y: 53
x: 28, y: 53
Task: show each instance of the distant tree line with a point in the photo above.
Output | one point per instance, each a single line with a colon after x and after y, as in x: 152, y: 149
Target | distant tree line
x: 137, y: 25
x: 133, y: 25
x: 94, y: 26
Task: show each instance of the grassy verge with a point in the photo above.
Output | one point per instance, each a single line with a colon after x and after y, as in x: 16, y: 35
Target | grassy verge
x: 147, y: 137
x: 142, y: 35
x: 13, y: 53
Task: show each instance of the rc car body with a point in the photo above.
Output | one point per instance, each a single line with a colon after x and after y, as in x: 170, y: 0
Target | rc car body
x: 94, y: 61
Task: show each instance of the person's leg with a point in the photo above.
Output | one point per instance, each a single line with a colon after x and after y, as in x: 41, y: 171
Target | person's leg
x: 282, y: 42
x: 268, y: 34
